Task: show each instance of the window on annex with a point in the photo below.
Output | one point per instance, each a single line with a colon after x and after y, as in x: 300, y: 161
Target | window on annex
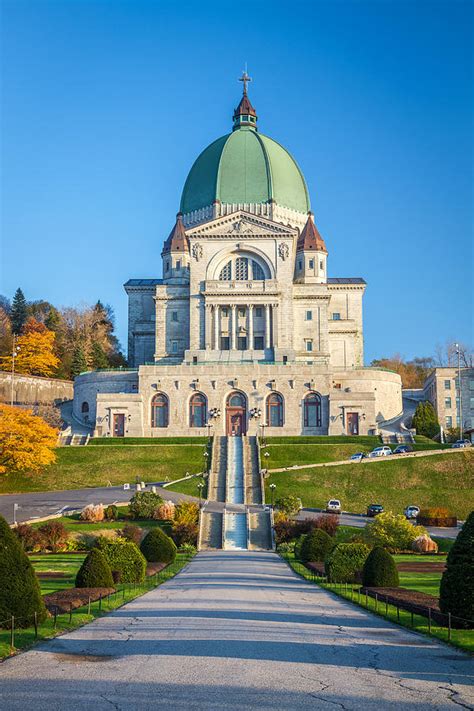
x: 197, y: 410
x: 312, y: 410
x: 309, y: 346
x: 178, y: 265
x: 159, y: 410
x: 311, y: 264
x: 447, y: 385
x: 336, y: 316
x: 275, y: 410
x: 447, y: 402
x: 258, y: 343
x: 174, y: 316
x: 449, y: 421
x: 309, y: 316
x: 321, y: 265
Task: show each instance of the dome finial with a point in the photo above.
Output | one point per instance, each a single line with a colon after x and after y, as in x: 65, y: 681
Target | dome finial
x: 245, y: 79
x: 245, y: 115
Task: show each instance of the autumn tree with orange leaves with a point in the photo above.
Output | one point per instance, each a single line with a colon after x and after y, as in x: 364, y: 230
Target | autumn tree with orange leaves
x: 27, y: 442
x: 35, y: 354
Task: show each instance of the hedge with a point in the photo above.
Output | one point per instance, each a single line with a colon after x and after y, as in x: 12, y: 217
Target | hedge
x: 125, y: 558
x: 157, y: 547
x: 316, y: 546
x: 380, y: 570
x: 345, y: 562
x: 95, y: 571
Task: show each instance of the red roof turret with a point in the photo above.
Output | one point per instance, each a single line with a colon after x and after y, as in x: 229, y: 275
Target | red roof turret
x: 177, y: 240
x: 310, y: 239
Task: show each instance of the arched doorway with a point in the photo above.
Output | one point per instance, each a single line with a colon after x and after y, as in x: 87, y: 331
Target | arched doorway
x: 236, y: 415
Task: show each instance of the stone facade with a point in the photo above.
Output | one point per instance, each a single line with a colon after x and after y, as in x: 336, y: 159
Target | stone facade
x: 442, y: 390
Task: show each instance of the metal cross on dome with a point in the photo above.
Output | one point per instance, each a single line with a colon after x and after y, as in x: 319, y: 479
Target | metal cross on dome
x: 245, y: 79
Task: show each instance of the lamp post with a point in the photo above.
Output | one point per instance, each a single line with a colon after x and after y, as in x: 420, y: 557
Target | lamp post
x: 15, y: 350
x: 458, y: 351
x: 15, y: 509
x: 206, y: 459
x: 200, y: 488
x: 272, y: 490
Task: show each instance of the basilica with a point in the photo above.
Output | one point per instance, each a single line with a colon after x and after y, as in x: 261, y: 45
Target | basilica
x: 245, y: 332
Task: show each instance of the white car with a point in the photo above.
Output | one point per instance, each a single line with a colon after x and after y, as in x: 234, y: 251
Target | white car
x: 461, y: 444
x: 380, y: 452
x: 333, y: 506
x: 411, y: 512
x: 357, y: 457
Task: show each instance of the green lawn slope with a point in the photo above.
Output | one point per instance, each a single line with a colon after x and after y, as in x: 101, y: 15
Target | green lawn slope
x: 438, y: 480
x: 79, y: 467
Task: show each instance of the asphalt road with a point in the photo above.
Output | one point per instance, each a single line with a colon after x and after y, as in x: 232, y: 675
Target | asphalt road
x: 238, y: 631
x: 46, y: 503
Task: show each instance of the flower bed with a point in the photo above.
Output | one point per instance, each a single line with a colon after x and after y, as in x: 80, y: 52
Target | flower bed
x: 72, y: 598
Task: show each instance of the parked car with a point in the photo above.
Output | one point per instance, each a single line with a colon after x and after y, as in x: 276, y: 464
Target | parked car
x: 402, y: 449
x: 461, y: 444
x: 374, y: 510
x: 411, y: 512
x: 357, y: 457
x: 333, y: 506
x: 380, y: 452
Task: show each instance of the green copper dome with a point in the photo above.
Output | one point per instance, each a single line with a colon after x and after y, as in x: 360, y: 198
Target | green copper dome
x: 245, y: 167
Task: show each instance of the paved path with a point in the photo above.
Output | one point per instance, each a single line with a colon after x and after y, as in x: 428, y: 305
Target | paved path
x: 238, y: 631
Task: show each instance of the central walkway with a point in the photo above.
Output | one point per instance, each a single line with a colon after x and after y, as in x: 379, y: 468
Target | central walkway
x: 237, y: 631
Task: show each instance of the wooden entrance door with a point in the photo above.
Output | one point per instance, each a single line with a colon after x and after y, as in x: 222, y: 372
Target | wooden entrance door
x: 235, y: 422
x: 353, y: 423
x: 119, y: 425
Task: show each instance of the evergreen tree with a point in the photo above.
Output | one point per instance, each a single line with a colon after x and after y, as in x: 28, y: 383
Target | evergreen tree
x: 456, y: 593
x: 19, y: 312
x: 79, y: 362
x: 425, y: 420
x: 95, y: 572
x: 20, y: 593
x: 99, y: 359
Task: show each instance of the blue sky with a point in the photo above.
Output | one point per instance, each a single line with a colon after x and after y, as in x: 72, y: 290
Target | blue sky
x: 107, y: 104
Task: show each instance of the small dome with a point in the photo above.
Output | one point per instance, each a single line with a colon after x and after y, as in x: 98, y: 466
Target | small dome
x: 245, y: 167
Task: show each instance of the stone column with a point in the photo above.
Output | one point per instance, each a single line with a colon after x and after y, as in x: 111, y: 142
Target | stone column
x: 267, y: 326
x: 207, y: 327
x: 250, y: 328
x: 216, y: 328
x: 233, y: 328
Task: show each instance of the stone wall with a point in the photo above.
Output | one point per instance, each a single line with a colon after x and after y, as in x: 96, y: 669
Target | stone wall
x: 89, y: 385
x: 33, y: 390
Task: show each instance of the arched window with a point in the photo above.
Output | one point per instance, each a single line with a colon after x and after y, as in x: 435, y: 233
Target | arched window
x: 197, y: 411
x: 275, y: 410
x: 226, y: 272
x: 257, y: 271
x: 312, y: 410
x: 85, y: 408
x: 236, y: 400
x: 242, y: 269
x: 159, y: 411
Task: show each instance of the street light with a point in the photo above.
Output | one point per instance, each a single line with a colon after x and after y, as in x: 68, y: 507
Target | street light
x: 15, y: 509
x: 272, y: 489
x: 458, y: 351
x: 206, y: 459
x: 200, y: 488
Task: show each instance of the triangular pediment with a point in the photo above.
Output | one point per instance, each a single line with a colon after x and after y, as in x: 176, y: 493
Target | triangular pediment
x: 241, y: 224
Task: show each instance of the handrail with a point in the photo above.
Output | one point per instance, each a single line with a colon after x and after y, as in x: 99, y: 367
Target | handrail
x: 224, y: 515
x: 247, y: 521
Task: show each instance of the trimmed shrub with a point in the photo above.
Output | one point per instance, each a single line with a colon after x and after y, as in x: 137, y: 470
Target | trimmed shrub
x: 30, y: 538
x: 165, y: 512
x: 185, y: 533
x: 392, y: 531
x: 20, y: 593
x: 424, y: 544
x: 287, y: 549
x: 125, y: 557
x: 143, y: 504
x: 328, y: 523
x: 345, y: 562
x: 285, y: 529
x: 157, y: 547
x: 186, y: 512
x: 55, y: 535
x: 290, y: 505
x: 94, y: 513
x: 188, y: 549
x: 132, y: 533
x: 456, y: 594
x: 111, y: 512
x: 380, y: 570
x: 437, y: 516
x: 316, y: 546
x: 95, y: 571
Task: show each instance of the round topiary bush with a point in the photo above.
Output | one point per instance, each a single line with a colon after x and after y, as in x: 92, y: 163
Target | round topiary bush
x: 125, y: 557
x: 456, y: 594
x: 157, y: 547
x: 95, y: 572
x: 345, y: 562
x: 20, y: 593
x: 316, y: 546
x: 380, y: 570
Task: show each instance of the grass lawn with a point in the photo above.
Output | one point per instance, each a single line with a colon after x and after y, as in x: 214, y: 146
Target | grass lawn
x: 68, y: 563
x: 319, y: 453
x: 423, y: 582
x: 25, y: 638
x: 189, y: 486
x: 432, y: 481
x: 75, y: 525
x: 140, y: 441
x: 80, y: 467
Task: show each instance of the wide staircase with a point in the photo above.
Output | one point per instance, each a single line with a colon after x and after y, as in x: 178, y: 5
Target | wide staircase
x: 235, y: 479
